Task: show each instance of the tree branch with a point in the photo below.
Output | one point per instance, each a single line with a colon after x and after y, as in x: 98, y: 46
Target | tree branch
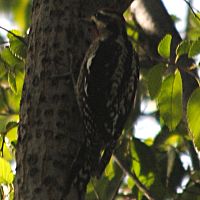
x: 191, y: 8
x: 139, y: 185
x: 17, y: 36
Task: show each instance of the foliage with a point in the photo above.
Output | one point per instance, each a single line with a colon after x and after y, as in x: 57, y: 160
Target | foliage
x: 156, y: 162
x: 12, y: 60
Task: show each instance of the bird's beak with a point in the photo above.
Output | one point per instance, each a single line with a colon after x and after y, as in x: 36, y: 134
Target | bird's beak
x: 89, y: 20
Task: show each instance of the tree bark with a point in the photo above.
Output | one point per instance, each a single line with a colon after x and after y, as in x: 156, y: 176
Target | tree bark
x: 50, y: 130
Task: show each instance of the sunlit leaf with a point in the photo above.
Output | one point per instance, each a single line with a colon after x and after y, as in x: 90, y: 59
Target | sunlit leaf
x: 135, y: 161
x: 6, y: 174
x: 130, y: 182
x: 170, y: 100
x: 11, y: 125
x: 147, y: 180
x: 194, y: 49
x: 17, y: 46
x: 164, y: 46
x: 11, y: 195
x: 3, y: 69
x: 12, y: 135
x: 105, y: 188
x: 7, y: 152
x: 173, y: 140
x: 109, y: 171
x: 14, y: 100
x: 193, y: 117
x: 12, y: 82
x: 19, y: 77
x: 154, y: 80
x: 194, y: 27
x: 144, y: 160
x: 11, y: 60
x: 183, y: 48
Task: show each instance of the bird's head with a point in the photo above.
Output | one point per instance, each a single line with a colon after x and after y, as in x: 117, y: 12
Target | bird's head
x: 109, y: 22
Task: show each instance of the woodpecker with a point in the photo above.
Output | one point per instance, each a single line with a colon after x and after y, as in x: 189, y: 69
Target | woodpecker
x: 106, y: 88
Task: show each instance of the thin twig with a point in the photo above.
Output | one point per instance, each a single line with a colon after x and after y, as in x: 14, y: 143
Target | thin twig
x: 139, y: 185
x: 2, y: 146
x: 95, y: 191
x: 3, y: 43
x: 17, y: 36
x: 192, y: 9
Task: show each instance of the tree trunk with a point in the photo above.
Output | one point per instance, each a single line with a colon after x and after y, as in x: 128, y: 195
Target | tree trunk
x: 50, y: 130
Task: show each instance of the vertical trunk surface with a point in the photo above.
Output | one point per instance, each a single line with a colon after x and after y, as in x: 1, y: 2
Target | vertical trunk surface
x: 50, y: 129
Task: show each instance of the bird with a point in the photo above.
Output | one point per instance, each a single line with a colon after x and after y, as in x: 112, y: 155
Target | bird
x: 106, y: 90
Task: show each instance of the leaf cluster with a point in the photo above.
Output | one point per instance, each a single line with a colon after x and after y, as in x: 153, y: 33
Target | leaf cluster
x: 12, y: 61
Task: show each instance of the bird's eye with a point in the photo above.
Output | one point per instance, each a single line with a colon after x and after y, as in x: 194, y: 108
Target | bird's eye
x: 97, y: 15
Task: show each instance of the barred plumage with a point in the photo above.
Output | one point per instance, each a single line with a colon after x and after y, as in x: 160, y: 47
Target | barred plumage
x: 105, y: 89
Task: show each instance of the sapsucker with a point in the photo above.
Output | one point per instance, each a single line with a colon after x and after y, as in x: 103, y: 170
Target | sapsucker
x: 106, y: 90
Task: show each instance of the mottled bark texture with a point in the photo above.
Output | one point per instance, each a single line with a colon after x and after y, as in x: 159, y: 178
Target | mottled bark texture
x: 154, y: 23
x: 50, y: 130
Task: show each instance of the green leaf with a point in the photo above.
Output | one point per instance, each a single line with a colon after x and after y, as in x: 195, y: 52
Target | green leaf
x: 145, y: 156
x: 143, y: 165
x: 11, y: 125
x: 175, y: 18
x: 170, y: 100
x: 193, y: 117
x: 12, y: 135
x: 130, y: 182
x: 13, y: 101
x: 6, y: 174
x: 109, y: 171
x: 105, y: 188
x: 10, y: 59
x: 8, y: 154
x: 194, y: 49
x: 2, y: 101
x: 154, y: 80
x: 136, y: 166
x: 194, y: 27
x: 183, y: 48
x: 11, y: 37
x: 12, y: 82
x: 164, y: 46
x: 3, y: 70
x: 17, y: 47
